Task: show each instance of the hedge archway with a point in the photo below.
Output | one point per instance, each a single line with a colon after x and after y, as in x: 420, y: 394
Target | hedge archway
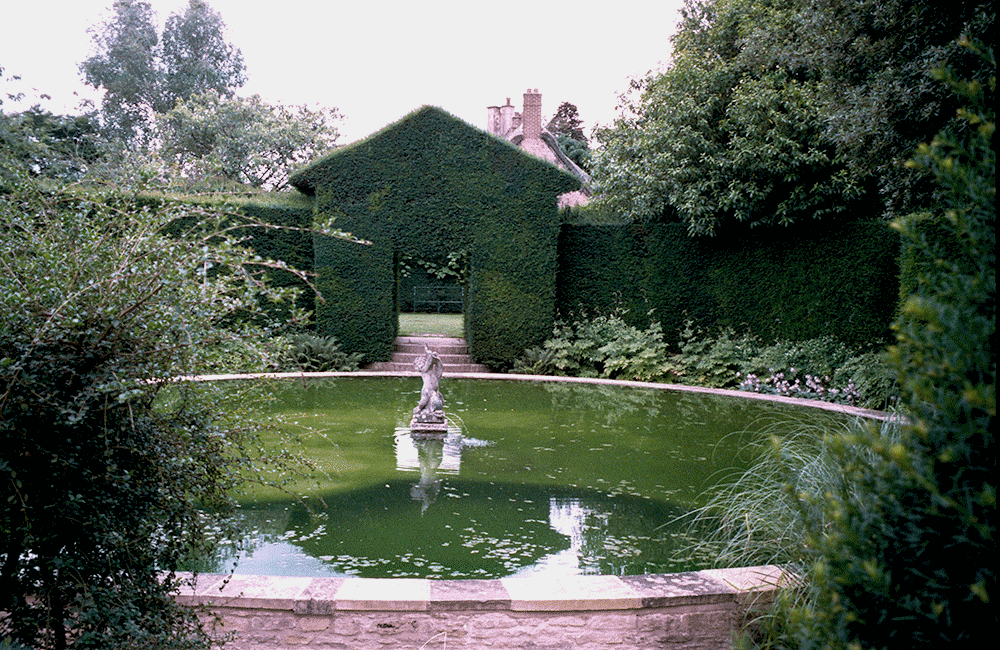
x: 425, y: 186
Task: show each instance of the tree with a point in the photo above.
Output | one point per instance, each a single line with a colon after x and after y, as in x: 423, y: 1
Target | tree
x: 712, y: 140
x: 567, y: 122
x: 52, y: 146
x: 125, y: 66
x: 567, y: 126
x: 196, y: 57
x: 111, y: 473
x: 142, y: 76
x: 878, y: 99
x: 775, y: 111
x: 575, y: 150
x: 211, y: 138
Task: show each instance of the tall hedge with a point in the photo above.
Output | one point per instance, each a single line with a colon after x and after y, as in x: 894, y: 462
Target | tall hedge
x: 290, y: 241
x: 791, y: 283
x: 424, y: 187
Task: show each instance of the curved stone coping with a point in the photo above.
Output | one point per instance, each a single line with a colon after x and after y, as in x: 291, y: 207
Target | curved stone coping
x: 795, y: 401
x: 529, y: 594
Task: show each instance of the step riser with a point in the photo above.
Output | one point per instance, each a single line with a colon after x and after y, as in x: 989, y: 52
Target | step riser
x: 399, y: 357
x: 389, y: 366
x: 416, y: 352
x: 454, y: 354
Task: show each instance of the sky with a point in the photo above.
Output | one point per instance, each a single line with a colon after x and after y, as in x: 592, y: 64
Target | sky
x: 377, y: 60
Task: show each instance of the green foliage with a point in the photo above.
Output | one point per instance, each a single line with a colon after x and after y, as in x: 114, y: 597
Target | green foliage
x: 714, y: 361
x: 51, y: 146
x: 793, y: 284
x: 575, y: 150
x: 605, y: 346
x: 425, y: 188
x: 567, y: 126
x: 716, y: 139
x: 567, y: 122
x: 873, y: 57
x: 196, y: 57
x: 125, y: 66
x: 310, y: 353
x: 537, y: 361
x: 288, y: 238
x: 822, y: 368
x: 241, y: 141
x: 767, y: 515
x: 905, y: 558
x: 758, y: 518
x: 140, y: 75
x: 775, y: 112
x: 110, y: 472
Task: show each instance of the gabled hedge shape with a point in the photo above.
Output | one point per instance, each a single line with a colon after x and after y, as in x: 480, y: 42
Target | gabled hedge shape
x: 425, y: 186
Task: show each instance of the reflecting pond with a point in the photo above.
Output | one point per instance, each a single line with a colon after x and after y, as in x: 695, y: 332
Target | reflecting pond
x: 533, y: 477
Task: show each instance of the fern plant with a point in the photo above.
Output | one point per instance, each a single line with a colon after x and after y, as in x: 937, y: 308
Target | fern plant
x: 310, y: 353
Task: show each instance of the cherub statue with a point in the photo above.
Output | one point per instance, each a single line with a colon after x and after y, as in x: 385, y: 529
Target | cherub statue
x: 431, y: 406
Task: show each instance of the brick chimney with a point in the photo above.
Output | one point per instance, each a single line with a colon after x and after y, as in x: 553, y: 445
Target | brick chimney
x: 531, y: 115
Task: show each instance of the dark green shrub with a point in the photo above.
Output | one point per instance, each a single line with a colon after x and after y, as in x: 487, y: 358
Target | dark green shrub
x: 905, y: 556
x: 106, y: 487
x: 792, y: 284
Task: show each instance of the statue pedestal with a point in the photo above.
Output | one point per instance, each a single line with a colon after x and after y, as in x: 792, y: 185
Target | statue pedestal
x: 428, y: 430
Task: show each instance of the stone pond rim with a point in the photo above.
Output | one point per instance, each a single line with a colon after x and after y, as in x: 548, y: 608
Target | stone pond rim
x: 695, y: 609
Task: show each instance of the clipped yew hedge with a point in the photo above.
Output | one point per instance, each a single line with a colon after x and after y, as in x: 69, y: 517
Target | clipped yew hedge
x: 425, y: 187
x: 290, y: 242
x: 791, y: 283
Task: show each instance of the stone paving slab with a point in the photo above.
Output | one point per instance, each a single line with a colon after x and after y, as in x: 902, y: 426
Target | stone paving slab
x: 321, y: 596
x: 469, y: 595
x: 384, y: 594
x: 572, y: 593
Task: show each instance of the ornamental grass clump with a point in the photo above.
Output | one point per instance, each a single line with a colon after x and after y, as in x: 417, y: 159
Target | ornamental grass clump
x: 769, y: 514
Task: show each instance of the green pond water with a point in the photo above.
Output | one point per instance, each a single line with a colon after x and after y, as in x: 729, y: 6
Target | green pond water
x: 533, y: 477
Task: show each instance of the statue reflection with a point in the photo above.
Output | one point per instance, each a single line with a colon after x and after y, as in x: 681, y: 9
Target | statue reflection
x: 430, y: 452
x: 432, y: 457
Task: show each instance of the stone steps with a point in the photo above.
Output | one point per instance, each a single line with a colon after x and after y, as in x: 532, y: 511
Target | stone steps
x: 454, y: 355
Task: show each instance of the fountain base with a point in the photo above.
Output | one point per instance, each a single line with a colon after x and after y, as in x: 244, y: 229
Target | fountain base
x: 428, y: 430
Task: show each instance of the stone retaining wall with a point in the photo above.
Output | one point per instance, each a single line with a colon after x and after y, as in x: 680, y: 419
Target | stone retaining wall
x: 683, y: 611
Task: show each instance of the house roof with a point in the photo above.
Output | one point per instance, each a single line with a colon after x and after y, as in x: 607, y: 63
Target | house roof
x: 526, y: 130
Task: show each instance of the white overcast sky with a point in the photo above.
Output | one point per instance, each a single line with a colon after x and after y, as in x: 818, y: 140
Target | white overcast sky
x: 377, y: 60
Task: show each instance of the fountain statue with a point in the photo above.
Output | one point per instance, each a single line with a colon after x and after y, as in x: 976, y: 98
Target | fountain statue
x: 428, y: 416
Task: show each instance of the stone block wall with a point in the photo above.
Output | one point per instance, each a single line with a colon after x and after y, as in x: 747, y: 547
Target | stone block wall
x: 683, y: 611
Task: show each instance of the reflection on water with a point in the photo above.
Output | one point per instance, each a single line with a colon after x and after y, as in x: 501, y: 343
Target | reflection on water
x: 567, y: 517
x: 413, y: 454
x: 470, y: 530
x: 539, y: 478
x: 431, y: 457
